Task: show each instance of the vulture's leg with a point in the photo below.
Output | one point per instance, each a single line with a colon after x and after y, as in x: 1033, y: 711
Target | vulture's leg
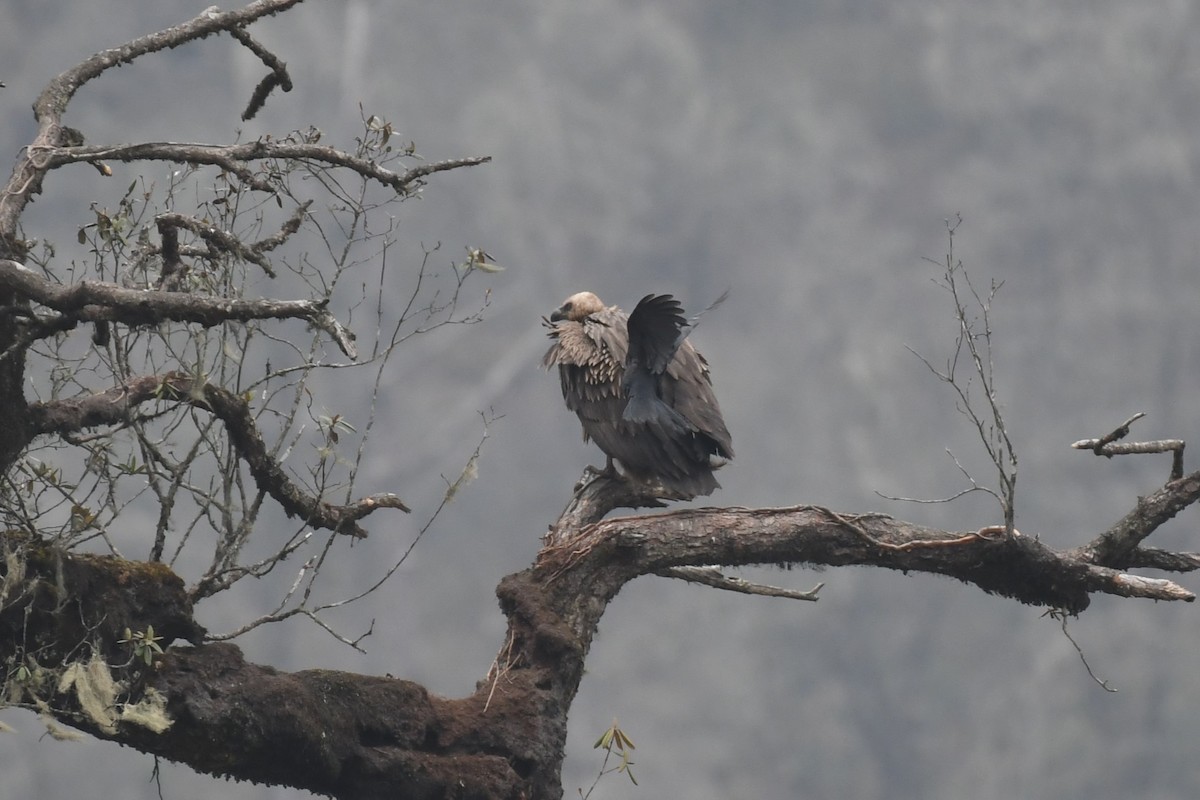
x: 610, y: 472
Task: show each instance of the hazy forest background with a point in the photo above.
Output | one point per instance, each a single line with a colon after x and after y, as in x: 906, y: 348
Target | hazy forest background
x: 805, y: 154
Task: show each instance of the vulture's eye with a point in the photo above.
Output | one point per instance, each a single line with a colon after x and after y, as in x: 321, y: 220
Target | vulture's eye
x: 568, y: 306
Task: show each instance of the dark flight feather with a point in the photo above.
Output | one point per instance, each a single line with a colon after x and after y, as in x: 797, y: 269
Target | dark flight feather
x: 655, y: 331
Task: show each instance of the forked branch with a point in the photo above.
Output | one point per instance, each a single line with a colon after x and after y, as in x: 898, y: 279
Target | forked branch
x: 1108, y: 447
x: 116, y: 406
x: 1119, y: 545
x: 31, y: 168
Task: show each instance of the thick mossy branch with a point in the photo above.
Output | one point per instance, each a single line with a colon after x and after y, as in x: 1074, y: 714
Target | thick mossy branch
x: 335, y: 733
x: 356, y: 737
x: 71, y: 600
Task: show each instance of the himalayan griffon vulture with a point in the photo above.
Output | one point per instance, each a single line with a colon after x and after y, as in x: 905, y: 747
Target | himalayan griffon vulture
x: 640, y: 389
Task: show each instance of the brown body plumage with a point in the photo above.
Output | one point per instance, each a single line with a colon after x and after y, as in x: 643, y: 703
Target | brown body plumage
x: 673, y: 433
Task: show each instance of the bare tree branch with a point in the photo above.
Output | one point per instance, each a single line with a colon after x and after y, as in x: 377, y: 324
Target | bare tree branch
x: 277, y: 77
x: 268, y: 473
x: 91, y: 301
x: 26, y: 180
x: 1108, y: 450
x: 219, y: 240
x: 1120, y: 432
x: 1106, y: 446
x: 1117, y: 547
x: 1155, y: 558
x: 713, y: 578
x: 236, y: 158
x: 115, y: 406
x: 1017, y: 566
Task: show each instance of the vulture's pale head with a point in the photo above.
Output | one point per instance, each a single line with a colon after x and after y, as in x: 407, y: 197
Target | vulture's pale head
x: 577, y: 306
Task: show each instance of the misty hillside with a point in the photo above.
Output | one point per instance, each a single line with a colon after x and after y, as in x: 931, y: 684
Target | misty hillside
x: 807, y: 156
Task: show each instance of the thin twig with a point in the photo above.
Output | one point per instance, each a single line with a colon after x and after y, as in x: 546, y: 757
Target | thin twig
x: 1061, y: 615
x: 710, y: 576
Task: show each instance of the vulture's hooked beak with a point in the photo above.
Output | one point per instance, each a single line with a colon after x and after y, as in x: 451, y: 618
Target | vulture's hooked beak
x: 558, y: 315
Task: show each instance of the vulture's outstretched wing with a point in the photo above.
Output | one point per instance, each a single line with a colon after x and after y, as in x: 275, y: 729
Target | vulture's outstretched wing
x: 655, y: 328
x: 658, y: 326
x: 657, y: 332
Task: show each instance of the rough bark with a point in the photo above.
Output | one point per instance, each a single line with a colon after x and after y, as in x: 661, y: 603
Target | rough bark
x: 361, y: 737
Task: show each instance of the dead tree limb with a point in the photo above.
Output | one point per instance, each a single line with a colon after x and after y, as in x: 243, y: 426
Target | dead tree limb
x: 26, y: 180
x: 116, y: 406
x: 93, y: 301
x: 1118, y: 546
